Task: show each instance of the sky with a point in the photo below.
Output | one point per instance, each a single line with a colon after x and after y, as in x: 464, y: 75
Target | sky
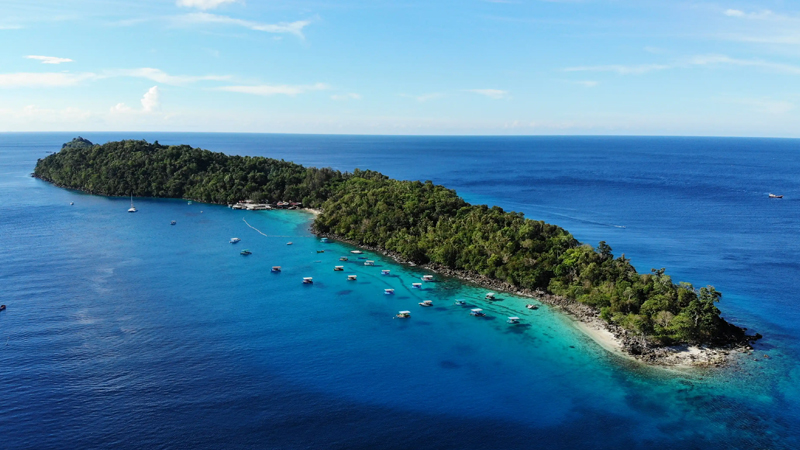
x: 453, y: 67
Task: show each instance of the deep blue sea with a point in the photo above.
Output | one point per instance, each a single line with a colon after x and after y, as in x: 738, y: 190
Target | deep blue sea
x: 125, y: 332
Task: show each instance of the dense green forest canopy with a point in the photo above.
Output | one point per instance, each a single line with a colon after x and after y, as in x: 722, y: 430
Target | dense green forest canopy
x: 423, y: 222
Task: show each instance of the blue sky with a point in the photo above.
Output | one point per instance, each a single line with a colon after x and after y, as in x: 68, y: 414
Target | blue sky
x: 402, y: 67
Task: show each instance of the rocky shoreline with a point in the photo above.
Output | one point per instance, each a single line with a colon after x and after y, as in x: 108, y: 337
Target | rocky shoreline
x: 622, y: 342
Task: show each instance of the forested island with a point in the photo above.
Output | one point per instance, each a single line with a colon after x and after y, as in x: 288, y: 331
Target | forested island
x: 420, y: 223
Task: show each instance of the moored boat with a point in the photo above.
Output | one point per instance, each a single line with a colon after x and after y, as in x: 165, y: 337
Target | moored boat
x: 427, y: 278
x: 324, y: 240
x: 245, y: 252
x: 338, y: 268
x: 385, y: 272
x: 235, y: 240
x: 356, y: 252
x: 531, y: 306
x: 276, y: 269
x: 343, y: 258
x: 288, y: 243
x: 513, y: 320
x: 775, y: 196
x: 426, y: 303
x: 173, y: 222
x: 477, y: 312
x: 352, y: 278
x: 403, y: 314
x: 388, y: 291
x: 369, y: 263
x: 132, y: 209
x: 416, y: 285
x: 308, y: 280
x: 460, y: 302
x: 489, y: 296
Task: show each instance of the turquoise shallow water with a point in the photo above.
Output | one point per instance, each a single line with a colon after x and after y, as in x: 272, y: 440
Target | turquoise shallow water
x: 123, y: 331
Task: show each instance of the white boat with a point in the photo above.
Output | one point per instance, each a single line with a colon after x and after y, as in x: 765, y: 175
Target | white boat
x: 288, y: 243
x: 338, y: 268
x: 388, y: 291
x: 324, y: 240
x: 276, y: 268
x: 403, y: 314
x: 426, y: 303
x: 513, y: 320
x: 427, y: 278
x: 356, y: 252
x: 416, y: 285
x: 351, y: 278
x: 188, y: 203
x: 489, y: 296
x: 385, y: 272
x: 71, y: 203
x: 343, y: 258
x: 477, y: 312
x: 369, y: 263
x: 531, y: 306
x: 132, y: 208
x: 460, y: 302
x: 235, y: 240
x: 308, y: 280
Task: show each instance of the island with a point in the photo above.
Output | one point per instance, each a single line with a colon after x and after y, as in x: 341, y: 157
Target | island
x: 421, y: 223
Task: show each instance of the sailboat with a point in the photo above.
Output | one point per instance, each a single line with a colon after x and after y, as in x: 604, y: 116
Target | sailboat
x: 132, y: 208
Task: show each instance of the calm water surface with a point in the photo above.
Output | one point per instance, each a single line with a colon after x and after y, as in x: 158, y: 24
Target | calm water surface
x: 125, y: 332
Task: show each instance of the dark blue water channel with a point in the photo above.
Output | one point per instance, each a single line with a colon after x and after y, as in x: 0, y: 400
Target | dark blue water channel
x: 123, y: 331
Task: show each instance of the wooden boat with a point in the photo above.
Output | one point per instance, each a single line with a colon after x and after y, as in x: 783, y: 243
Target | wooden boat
x: 477, y: 312
x: 276, y: 268
x: 403, y: 314
x: 426, y: 303
x: 775, y: 196
x: 338, y: 268
x: 308, y: 280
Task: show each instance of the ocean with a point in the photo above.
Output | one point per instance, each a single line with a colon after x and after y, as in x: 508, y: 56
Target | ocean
x: 123, y: 331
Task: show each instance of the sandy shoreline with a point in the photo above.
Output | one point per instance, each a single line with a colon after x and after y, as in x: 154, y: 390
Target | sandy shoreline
x: 586, y: 319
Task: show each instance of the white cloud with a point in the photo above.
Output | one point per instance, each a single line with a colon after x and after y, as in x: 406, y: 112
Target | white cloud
x: 491, y: 93
x: 349, y: 96
x: 722, y: 59
x: 121, y: 108
x: 159, y: 76
x: 151, y: 100
x: 53, y: 79
x: 734, y: 13
x: 283, y: 89
x: 49, y: 59
x: 203, y: 4
x: 295, y: 28
x: 620, y: 69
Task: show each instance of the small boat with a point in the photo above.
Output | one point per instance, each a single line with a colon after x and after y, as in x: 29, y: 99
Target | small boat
x: 416, y: 285
x: 489, y: 296
x: 320, y: 251
x: 308, y: 280
x: 403, y: 314
x: 426, y: 303
x: 385, y: 272
x: 513, y: 320
x: 71, y: 203
x: 173, y: 222
x: 369, y: 263
x: 356, y: 252
x: 351, y: 278
x: 324, y: 240
x: 245, y: 252
x: 132, y: 208
x: 343, y: 258
x: 427, y: 278
x: 235, y: 240
x: 388, y: 291
x: 460, y: 302
x: 338, y: 268
x: 775, y: 196
x: 189, y: 203
x: 276, y: 269
x: 477, y: 312
x: 288, y: 243
x: 2, y: 307
x: 531, y: 306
